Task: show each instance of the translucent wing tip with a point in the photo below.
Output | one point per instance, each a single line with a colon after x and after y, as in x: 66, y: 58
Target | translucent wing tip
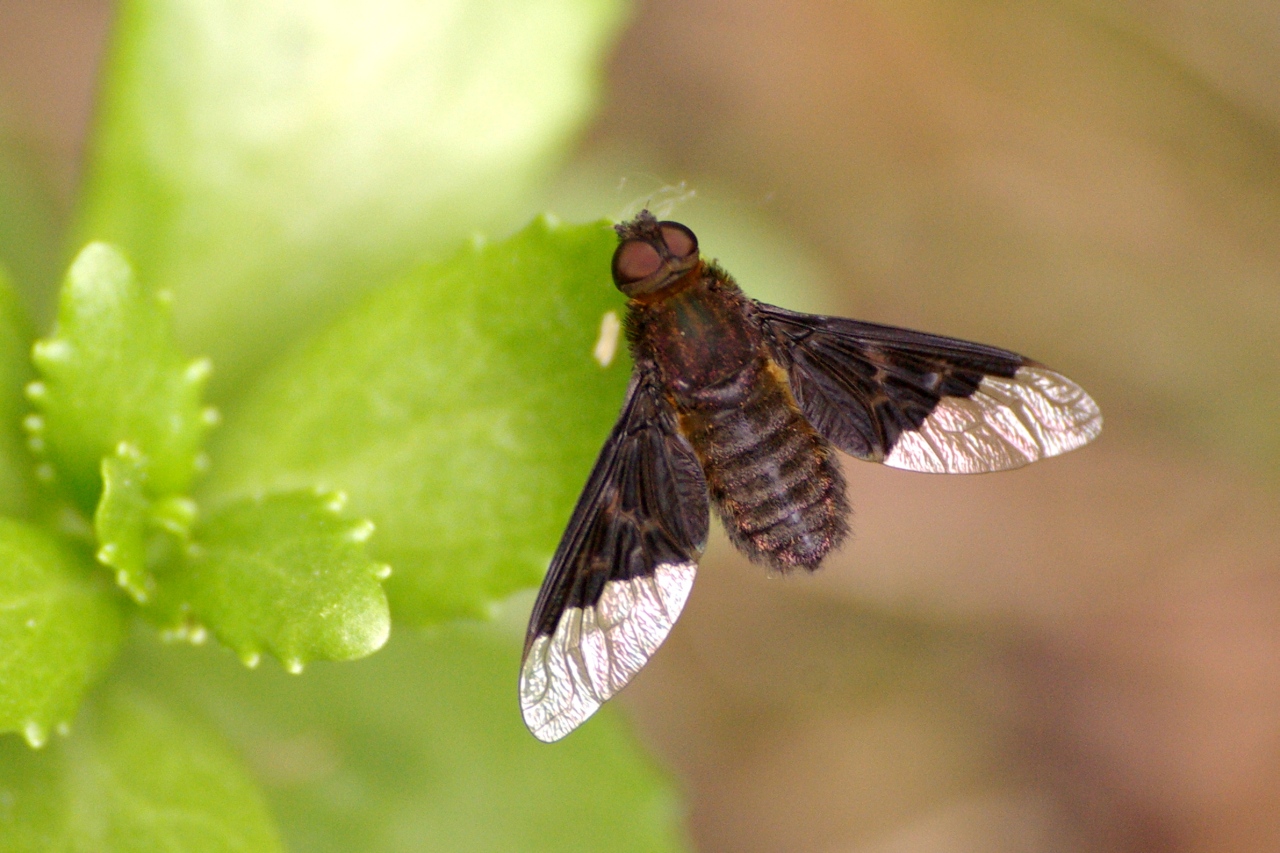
x: 595, y: 651
x: 1006, y: 423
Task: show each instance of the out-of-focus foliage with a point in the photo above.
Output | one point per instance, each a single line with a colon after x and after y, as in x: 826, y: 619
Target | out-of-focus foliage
x: 109, y: 375
x: 416, y: 748
x: 266, y: 161
x: 460, y: 408
x: 59, y: 628
x: 255, y: 169
x: 136, y: 776
x: 285, y: 574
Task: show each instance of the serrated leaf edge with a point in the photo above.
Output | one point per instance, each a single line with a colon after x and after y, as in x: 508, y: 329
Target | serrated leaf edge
x: 191, y: 629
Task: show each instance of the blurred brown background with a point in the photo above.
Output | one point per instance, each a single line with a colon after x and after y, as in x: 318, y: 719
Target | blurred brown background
x: 1080, y: 656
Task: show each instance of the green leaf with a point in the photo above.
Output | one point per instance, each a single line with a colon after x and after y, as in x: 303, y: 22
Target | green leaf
x: 111, y: 374
x: 59, y: 628
x: 461, y: 409
x: 17, y: 483
x: 285, y: 573
x: 336, y: 145
x: 134, y: 777
x: 121, y: 521
x: 421, y: 747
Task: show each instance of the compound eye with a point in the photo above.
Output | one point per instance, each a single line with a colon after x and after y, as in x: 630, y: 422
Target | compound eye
x: 680, y: 240
x: 635, y: 260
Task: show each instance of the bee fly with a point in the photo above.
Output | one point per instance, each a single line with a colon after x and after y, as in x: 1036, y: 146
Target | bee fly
x: 739, y: 405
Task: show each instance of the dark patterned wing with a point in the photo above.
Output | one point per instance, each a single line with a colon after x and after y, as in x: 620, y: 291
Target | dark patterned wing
x: 623, y: 570
x: 924, y: 402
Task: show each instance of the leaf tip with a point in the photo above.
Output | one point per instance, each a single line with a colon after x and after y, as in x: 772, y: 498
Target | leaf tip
x: 251, y: 659
x: 380, y: 629
x: 36, y: 391
x: 383, y: 571
x: 197, y: 371
x: 126, y: 581
x: 34, y: 425
x: 35, y: 734
x: 175, y: 514
x: 189, y: 631
x: 48, y: 352
x: 361, y: 532
x: 334, y: 501
x: 98, y: 257
x: 128, y: 451
x: 293, y: 666
x: 378, y: 637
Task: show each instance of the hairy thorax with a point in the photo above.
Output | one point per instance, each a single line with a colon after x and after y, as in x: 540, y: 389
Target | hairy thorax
x: 696, y: 335
x: 773, y: 480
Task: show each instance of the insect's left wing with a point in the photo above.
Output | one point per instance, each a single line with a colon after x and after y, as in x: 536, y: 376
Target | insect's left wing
x: 925, y: 402
x: 623, y: 569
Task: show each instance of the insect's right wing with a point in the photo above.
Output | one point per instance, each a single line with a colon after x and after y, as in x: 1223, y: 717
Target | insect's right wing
x: 623, y: 570
x: 926, y: 402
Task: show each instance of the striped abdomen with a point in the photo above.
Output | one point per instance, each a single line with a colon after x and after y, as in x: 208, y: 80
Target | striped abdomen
x: 774, y: 481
